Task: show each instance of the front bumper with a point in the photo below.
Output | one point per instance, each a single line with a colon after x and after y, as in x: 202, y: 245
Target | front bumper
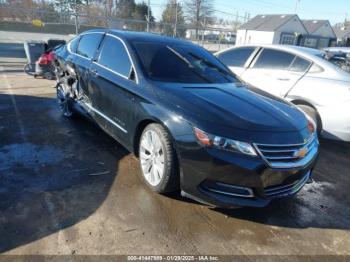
x: 226, y: 179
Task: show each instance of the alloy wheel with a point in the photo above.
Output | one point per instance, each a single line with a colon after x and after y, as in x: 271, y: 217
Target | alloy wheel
x: 152, y: 157
x: 63, y: 100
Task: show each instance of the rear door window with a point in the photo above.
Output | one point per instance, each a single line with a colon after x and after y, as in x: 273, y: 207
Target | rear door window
x: 300, y: 65
x: 88, y: 45
x: 274, y: 59
x: 236, y: 57
x: 74, y: 44
x: 114, y: 56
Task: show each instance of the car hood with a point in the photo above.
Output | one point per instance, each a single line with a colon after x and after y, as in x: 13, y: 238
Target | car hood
x: 232, y: 105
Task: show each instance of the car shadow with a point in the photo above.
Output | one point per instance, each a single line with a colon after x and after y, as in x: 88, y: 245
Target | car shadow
x: 54, y: 172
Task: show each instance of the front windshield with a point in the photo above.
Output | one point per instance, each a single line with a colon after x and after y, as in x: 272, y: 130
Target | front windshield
x: 181, y: 64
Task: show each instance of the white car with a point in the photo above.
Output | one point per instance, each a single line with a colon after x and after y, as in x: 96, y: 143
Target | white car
x: 300, y: 75
x: 339, y: 49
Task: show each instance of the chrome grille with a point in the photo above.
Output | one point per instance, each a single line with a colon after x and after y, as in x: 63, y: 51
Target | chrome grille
x: 286, y: 189
x: 288, y: 155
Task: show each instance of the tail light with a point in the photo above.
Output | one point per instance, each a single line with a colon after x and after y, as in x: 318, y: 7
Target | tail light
x: 43, y: 59
x: 51, y: 56
x: 46, y: 58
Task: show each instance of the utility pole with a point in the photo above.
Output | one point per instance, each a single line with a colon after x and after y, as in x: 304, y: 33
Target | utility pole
x: 76, y: 17
x: 236, y: 22
x: 204, y: 25
x: 175, y: 26
x: 296, y: 6
x: 148, y: 14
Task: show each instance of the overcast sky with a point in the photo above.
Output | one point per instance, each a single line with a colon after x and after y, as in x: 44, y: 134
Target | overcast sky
x: 333, y: 10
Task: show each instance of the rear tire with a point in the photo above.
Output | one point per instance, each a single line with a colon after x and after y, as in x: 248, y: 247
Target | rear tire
x: 311, y: 112
x: 64, y: 100
x: 158, y: 160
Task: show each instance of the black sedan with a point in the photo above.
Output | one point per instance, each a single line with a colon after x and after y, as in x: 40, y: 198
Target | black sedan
x: 193, y: 124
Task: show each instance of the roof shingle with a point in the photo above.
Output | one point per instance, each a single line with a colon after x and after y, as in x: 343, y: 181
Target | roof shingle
x: 312, y: 25
x: 343, y: 32
x: 266, y: 22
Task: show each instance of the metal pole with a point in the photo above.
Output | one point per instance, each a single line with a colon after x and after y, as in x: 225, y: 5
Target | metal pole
x: 76, y: 17
x: 148, y: 14
x: 296, y: 6
x: 175, y: 26
x: 205, y: 20
x: 236, y: 22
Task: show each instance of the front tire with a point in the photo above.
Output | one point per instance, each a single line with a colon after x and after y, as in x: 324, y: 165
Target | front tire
x: 158, y: 159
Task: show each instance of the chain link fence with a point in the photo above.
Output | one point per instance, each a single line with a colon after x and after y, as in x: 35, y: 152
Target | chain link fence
x: 70, y: 23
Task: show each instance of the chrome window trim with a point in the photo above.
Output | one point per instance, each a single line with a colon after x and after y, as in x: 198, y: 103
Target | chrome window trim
x: 131, y: 61
x: 110, y: 70
x: 126, y: 48
x: 81, y: 35
x: 105, y: 117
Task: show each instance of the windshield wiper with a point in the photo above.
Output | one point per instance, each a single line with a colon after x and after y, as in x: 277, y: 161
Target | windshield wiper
x: 224, y: 73
x: 184, y: 59
x: 180, y: 56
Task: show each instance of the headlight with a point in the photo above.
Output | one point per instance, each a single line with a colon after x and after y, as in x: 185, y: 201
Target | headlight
x: 219, y: 142
x: 311, y: 125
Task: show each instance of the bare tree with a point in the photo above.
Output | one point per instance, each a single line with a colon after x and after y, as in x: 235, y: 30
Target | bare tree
x: 199, y: 13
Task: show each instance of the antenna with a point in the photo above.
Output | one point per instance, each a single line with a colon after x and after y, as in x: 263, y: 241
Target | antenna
x: 296, y: 6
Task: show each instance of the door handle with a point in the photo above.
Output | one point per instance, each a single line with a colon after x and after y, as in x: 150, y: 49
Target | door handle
x: 94, y: 72
x: 283, y: 79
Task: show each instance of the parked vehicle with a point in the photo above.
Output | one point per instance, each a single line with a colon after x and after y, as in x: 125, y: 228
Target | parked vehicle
x: 194, y: 126
x: 44, y: 65
x: 337, y: 49
x: 339, y: 57
x: 300, y: 75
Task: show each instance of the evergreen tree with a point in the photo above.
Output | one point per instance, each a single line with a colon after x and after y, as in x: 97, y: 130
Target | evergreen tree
x: 169, y: 19
x: 125, y: 8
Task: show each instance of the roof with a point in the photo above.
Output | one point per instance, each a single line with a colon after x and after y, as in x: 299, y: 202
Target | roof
x: 140, y: 36
x: 267, y: 22
x: 313, y: 25
x: 299, y: 50
x: 314, y: 55
x: 147, y: 37
x: 343, y: 32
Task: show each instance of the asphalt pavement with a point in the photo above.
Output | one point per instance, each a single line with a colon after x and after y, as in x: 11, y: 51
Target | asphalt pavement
x: 66, y: 187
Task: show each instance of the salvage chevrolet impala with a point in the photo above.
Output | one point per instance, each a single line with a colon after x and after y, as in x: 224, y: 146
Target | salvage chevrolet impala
x: 194, y: 126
